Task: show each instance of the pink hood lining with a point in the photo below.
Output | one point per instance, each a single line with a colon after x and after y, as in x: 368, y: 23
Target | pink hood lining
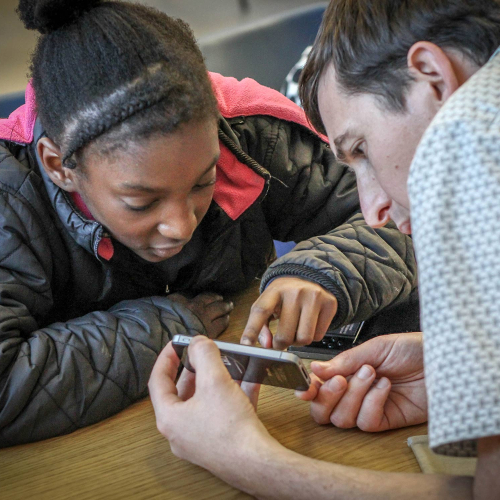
x: 235, y: 98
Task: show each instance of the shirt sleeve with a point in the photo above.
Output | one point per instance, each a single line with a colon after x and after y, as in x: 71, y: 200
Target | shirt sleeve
x: 454, y: 189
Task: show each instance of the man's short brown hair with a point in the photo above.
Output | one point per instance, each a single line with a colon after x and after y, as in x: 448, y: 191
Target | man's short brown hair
x: 367, y: 41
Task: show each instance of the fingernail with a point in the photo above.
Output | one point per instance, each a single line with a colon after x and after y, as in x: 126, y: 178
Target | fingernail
x: 364, y: 372
x: 382, y: 383
x: 245, y: 341
x: 335, y: 385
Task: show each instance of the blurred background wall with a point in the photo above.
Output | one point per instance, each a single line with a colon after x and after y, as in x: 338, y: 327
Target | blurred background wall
x: 205, y: 17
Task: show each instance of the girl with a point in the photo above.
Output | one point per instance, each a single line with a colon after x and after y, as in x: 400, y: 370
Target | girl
x: 135, y: 175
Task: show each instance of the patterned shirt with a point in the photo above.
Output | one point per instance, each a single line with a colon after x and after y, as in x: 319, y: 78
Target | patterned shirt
x: 454, y: 189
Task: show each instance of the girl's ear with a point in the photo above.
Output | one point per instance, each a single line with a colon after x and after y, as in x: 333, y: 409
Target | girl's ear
x: 429, y: 64
x: 51, y: 157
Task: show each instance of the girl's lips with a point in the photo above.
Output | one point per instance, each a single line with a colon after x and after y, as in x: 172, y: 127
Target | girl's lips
x: 167, y: 252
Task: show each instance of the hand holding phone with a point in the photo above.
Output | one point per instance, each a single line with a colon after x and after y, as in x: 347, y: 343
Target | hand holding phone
x: 254, y: 364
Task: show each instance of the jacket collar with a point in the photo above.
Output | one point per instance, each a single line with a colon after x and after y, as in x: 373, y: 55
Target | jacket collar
x: 86, y: 232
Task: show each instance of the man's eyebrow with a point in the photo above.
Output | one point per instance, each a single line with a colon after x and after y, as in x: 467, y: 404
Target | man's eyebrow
x: 148, y: 189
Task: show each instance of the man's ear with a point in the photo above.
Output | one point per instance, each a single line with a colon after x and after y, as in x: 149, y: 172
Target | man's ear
x: 51, y: 157
x: 430, y: 64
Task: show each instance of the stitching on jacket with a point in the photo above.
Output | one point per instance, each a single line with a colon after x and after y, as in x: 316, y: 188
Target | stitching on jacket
x: 107, y: 327
x: 17, y: 317
x: 16, y: 192
x: 350, y: 252
x: 9, y: 155
x: 365, y: 255
x: 355, y: 227
x: 11, y: 252
x: 46, y: 391
x: 272, y: 145
x: 92, y: 365
x: 106, y: 377
x: 31, y: 240
x: 21, y: 199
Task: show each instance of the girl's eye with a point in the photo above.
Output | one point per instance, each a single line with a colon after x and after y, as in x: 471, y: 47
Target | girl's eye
x: 139, y: 209
x: 198, y: 187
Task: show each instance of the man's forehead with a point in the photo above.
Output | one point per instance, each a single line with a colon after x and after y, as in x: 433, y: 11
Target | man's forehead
x: 328, y: 75
x: 344, y: 116
x: 332, y: 102
x: 332, y: 109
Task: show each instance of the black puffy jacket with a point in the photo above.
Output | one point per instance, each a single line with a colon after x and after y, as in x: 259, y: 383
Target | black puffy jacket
x: 79, y: 334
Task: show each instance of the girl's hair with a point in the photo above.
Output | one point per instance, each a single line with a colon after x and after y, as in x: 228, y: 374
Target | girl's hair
x: 367, y: 41
x: 104, y: 72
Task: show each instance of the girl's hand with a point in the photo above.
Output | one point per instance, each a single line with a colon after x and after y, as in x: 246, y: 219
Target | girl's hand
x: 210, y: 308
x: 305, y: 311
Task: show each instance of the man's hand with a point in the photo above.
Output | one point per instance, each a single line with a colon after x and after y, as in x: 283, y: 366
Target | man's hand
x: 305, y: 311
x: 210, y: 308
x: 376, y: 386
x: 207, y: 418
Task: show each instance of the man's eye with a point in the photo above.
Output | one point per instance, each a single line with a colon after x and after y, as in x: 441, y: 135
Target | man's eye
x: 358, y: 151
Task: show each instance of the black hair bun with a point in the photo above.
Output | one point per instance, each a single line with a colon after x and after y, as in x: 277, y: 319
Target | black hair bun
x: 49, y: 15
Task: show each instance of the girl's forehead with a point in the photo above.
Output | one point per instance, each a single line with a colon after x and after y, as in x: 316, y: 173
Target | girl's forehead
x: 159, y: 160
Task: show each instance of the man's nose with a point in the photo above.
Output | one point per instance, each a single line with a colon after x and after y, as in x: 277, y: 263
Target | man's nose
x: 375, y: 205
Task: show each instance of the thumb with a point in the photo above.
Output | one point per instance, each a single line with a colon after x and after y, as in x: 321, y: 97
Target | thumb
x: 373, y: 353
x: 205, y: 358
x: 161, y: 383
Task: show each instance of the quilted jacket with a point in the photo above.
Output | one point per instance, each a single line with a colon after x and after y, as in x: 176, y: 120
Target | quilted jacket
x: 81, y: 323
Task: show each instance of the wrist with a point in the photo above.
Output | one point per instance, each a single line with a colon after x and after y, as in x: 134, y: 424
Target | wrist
x: 247, y: 467
x: 273, y: 472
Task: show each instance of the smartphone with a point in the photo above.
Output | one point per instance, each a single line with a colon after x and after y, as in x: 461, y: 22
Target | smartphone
x: 333, y: 343
x: 254, y: 364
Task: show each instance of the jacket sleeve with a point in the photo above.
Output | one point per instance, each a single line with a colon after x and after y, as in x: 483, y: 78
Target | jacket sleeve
x: 313, y: 199
x: 366, y: 269
x: 57, y: 378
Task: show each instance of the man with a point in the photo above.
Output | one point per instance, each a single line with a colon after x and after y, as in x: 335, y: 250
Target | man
x: 393, y: 84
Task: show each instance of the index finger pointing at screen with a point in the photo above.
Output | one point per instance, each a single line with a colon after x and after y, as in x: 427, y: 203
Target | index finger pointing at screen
x: 261, y: 312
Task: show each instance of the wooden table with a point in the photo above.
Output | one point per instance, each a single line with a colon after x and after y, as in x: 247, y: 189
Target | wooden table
x: 125, y: 456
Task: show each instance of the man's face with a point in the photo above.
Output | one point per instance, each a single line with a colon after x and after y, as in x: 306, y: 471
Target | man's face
x: 152, y: 195
x: 377, y: 144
